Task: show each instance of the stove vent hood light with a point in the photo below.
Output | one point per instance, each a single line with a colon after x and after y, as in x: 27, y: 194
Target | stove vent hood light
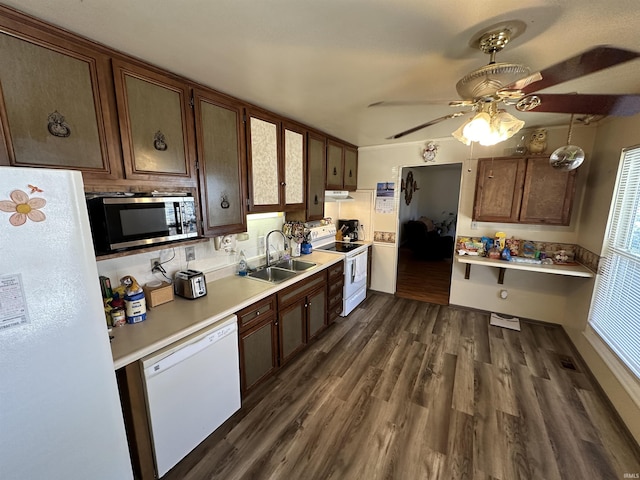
x: 337, y: 196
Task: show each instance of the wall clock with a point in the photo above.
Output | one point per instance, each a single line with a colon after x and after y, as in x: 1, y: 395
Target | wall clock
x: 429, y: 152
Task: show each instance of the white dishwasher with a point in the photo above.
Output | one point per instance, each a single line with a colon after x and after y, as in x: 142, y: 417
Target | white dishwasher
x: 192, y: 387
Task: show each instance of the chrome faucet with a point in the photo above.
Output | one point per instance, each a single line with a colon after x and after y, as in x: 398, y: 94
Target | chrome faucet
x: 284, y: 244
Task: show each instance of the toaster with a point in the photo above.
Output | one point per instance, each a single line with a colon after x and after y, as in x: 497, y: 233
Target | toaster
x: 190, y: 284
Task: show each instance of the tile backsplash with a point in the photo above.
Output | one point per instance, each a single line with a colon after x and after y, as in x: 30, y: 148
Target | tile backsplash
x: 214, y: 263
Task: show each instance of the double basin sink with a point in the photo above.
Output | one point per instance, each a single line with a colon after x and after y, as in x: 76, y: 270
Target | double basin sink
x: 281, y: 271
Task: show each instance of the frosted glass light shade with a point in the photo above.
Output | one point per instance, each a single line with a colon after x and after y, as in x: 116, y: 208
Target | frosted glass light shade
x: 458, y: 135
x: 506, y: 124
x: 478, y: 127
x: 488, y: 129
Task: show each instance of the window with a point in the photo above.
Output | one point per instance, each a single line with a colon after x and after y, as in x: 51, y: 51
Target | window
x: 615, y: 313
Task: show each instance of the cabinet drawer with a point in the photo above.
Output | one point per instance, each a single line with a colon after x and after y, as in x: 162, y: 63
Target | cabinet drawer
x: 300, y: 289
x: 336, y: 287
x: 334, y: 313
x: 256, y: 312
x: 336, y: 270
x: 335, y: 299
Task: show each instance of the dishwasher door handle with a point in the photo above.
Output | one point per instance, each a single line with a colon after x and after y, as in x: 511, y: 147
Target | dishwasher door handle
x: 188, y: 350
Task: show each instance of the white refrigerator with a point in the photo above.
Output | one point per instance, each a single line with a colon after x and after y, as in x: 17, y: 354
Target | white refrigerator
x: 60, y: 415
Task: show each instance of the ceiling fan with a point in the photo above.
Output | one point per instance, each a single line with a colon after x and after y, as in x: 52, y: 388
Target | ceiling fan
x: 485, y: 89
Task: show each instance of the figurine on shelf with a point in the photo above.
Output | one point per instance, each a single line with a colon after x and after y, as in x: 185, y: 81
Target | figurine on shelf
x: 538, y: 141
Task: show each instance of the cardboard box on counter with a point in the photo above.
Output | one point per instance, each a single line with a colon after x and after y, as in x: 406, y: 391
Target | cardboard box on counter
x: 157, y: 293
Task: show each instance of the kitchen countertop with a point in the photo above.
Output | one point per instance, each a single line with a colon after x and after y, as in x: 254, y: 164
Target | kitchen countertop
x: 172, y: 321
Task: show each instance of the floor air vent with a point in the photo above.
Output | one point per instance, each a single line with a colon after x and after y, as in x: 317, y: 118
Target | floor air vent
x: 567, y: 362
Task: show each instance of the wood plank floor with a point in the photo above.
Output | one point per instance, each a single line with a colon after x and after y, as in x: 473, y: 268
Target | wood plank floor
x: 408, y: 390
x: 424, y: 280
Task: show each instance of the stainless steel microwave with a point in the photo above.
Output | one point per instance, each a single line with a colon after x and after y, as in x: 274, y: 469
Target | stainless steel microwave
x: 124, y: 222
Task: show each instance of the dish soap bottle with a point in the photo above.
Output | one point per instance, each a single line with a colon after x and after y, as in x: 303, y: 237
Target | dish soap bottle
x: 242, y: 264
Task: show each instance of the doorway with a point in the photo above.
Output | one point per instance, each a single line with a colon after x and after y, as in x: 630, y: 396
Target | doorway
x: 427, y: 219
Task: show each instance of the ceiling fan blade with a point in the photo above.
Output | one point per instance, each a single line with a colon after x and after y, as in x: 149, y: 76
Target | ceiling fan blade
x: 594, y: 60
x: 428, y: 124
x: 404, y: 103
x: 617, y: 105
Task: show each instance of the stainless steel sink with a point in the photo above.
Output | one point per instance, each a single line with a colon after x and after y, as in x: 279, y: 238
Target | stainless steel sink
x: 272, y: 274
x: 295, y: 265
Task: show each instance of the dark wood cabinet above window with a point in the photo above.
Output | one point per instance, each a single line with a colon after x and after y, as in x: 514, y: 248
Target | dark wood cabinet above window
x: 523, y: 190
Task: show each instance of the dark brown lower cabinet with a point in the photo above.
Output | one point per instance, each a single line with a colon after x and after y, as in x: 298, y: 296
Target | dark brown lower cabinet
x: 258, y: 338
x: 302, y: 314
x: 274, y: 330
x: 291, y: 330
x: 316, y: 312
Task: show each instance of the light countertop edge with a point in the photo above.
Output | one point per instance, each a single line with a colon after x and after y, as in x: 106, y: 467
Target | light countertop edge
x: 578, y: 270
x: 175, y: 320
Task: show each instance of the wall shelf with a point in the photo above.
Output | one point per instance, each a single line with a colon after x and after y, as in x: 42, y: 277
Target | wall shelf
x: 572, y: 270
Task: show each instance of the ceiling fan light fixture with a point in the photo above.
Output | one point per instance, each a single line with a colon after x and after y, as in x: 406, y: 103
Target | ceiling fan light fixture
x: 478, y: 127
x: 506, y: 124
x: 488, y: 128
x: 458, y: 135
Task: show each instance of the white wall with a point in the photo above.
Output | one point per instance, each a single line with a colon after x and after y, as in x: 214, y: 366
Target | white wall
x: 526, y: 293
x: 622, y: 388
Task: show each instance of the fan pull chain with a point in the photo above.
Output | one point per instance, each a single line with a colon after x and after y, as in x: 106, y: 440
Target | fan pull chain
x: 570, y: 129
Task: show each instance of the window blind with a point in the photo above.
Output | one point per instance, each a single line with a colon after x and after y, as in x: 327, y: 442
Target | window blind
x: 615, y: 312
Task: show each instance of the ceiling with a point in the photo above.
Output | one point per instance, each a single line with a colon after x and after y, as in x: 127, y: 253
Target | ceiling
x: 323, y: 62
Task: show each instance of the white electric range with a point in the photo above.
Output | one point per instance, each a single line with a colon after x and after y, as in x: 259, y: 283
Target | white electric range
x: 355, y: 264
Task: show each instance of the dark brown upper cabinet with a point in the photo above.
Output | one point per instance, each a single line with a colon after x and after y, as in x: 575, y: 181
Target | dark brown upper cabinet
x: 220, y: 142
x: 156, y: 125
x: 316, y: 172
x: 342, y: 166
x: 350, y: 169
x: 57, y: 105
x: 523, y: 190
x: 335, y: 165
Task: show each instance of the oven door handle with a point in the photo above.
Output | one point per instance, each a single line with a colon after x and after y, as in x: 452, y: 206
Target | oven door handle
x: 353, y: 270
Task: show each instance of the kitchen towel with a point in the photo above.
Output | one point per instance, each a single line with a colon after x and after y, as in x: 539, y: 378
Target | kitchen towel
x: 361, y: 268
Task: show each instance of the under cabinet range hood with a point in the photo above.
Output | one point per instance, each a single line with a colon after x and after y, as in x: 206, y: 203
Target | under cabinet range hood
x: 337, y: 196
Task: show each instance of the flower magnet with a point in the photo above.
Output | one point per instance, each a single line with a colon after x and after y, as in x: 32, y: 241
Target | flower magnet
x: 23, y: 207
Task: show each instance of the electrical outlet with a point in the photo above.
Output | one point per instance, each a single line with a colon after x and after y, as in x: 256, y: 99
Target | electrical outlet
x: 154, y: 261
x: 190, y: 253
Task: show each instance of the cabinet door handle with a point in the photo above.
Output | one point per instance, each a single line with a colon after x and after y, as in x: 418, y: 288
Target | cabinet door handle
x: 350, y: 175
x: 335, y: 171
x: 315, y: 200
x: 283, y: 183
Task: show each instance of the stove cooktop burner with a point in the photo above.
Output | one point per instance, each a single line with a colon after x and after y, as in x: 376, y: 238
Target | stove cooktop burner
x: 339, y: 247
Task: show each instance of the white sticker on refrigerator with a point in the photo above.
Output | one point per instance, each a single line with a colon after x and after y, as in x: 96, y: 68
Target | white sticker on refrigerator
x: 13, y: 305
